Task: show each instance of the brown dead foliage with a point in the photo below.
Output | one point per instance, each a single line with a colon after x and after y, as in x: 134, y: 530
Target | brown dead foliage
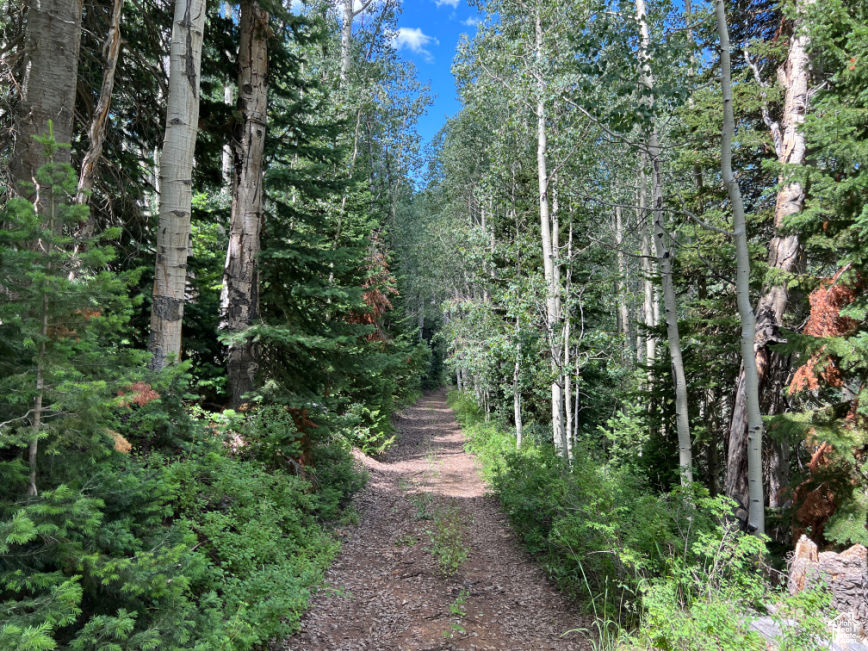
x: 138, y: 394
x: 121, y: 444
x: 825, y: 320
x: 378, y: 288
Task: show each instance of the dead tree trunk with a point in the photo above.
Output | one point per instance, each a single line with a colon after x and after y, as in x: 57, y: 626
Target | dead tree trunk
x: 239, y: 300
x: 96, y: 133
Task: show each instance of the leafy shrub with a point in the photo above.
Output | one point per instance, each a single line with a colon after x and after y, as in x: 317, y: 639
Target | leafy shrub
x: 674, y: 566
x: 258, y: 530
x: 447, y: 539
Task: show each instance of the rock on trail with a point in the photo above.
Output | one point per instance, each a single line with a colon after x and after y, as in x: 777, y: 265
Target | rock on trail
x: 386, y: 589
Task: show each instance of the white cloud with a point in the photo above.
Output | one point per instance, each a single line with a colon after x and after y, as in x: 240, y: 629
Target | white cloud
x: 448, y: 3
x: 413, y: 39
x: 471, y: 22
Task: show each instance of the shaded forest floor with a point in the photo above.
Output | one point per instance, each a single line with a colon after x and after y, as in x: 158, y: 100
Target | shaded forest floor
x: 424, y: 508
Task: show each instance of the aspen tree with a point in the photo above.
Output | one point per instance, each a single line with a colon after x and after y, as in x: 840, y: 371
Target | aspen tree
x: 756, y: 506
x: 176, y: 183
x: 550, y: 268
x: 350, y: 13
x: 785, y: 253
x: 664, y: 260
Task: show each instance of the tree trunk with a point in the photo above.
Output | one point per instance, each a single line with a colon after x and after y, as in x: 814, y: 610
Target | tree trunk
x: 176, y: 184
x: 52, y: 37
x: 347, y: 36
x: 346, y: 40
x: 623, y: 283
x: 577, y: 379
x: 239, y: 300
x: 516, y: 390
x: 96, y: 133
x: 566, y: 345
x: 33, y: 448
x: 664, y: 261
x: 649, y: 313
x: 756, y: 512
x: 553, y: 294
x: 785, y: 254
x: 227, y: 157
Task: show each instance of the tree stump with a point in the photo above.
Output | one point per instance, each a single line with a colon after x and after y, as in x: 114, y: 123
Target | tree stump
x: 846, y: 575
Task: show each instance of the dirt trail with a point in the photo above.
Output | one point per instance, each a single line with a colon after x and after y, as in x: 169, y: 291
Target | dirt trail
x: 386, y: 589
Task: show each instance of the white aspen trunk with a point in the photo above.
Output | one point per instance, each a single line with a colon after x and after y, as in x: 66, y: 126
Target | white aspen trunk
x: 785, y: 254
x: 576, y: 400
x: 486, y: 264
x: 226, y: 163
x: 551, y: 277
x: 347, y: 36
x: 239, y: 299
x: 567, y: 390
x: 649, y: 313
x: 96, y: 133
x: 516, y: 374
x: 346, y: 40
x: 516, y: 386
x: 566, y: 345
x: 52, y: 37
x: 664, y: 261
x: 176, y: 185
x: 756, y: 505
x: 623, y: 282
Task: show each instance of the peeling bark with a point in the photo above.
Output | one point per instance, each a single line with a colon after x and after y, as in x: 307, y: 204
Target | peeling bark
x: 239, y: 299
x: 96, y: 132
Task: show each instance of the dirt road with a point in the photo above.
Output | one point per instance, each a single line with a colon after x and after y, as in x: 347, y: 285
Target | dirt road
x: 387, y: 590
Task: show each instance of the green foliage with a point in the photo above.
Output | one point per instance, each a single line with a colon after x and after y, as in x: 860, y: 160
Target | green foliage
x: 62, y: 323
x: 147, y: 530
x: 447, y: 538
x: 258, y: 531
x: 209, y: 550
x: 834, y: 229
x: 672, y: 571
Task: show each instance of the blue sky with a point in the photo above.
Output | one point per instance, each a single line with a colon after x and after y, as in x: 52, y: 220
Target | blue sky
x: 428, y: 32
